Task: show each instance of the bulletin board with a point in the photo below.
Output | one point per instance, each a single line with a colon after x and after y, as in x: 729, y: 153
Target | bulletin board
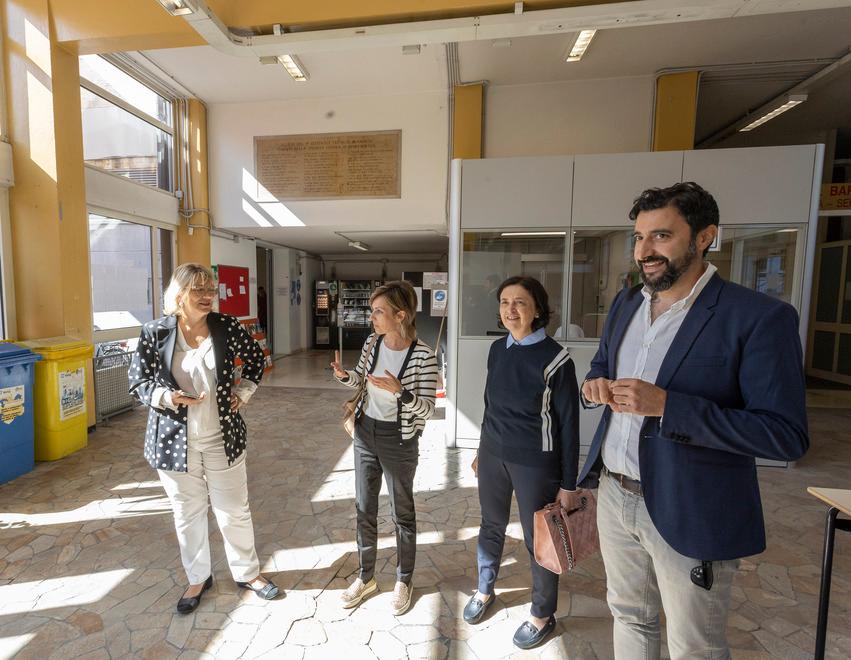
x: 233, y: 290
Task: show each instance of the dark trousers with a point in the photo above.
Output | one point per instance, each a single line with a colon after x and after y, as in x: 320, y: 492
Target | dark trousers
x: 534, y: 488
x: 380, y: 449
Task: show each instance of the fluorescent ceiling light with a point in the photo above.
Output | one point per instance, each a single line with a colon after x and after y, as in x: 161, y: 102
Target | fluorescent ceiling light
x: 580, y: 45
x: 412, y: 49
x: 508, y: 234
x: 357, y: 245
x: 294, y: 67
x: 177, y: 7
x: 791, y: 101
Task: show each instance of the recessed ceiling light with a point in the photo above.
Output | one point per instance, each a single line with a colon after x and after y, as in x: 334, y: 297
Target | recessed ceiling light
x: 177, y: 7
x: 580, y: 45
x: 791, y: 101
x: 294, y: 67
x: 508, y: 234
x: 412, y: 49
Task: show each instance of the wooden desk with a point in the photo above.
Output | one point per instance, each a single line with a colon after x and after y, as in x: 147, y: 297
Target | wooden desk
x: 839, y: 500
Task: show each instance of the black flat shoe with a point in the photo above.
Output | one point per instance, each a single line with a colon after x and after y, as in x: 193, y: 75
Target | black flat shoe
x: 528, y: 636
x: 267, y: 592
x: 186, y: 605
x: 474, y: 610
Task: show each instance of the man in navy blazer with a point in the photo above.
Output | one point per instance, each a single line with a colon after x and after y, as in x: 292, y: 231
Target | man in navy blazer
x: 700, y: 376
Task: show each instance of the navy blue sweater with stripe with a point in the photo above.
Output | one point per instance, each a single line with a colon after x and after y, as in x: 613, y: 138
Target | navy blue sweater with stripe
x: 532, y: 407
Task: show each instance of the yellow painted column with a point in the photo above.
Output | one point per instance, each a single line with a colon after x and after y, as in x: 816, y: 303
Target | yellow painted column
x: 676, y: 111
x: 467, y: 128
x: 47, y: 205
x: 195, y: 247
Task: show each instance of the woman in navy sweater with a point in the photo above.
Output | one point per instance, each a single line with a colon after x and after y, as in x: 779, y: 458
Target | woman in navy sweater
x: 529, y: 446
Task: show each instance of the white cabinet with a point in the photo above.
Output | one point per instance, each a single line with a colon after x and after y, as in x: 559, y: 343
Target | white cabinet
x: 765, y: 185
x: 506, y: 193
x: 605, y: 185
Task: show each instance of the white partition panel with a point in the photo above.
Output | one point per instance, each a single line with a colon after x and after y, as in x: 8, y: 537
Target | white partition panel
x: 498, y: 193
x: 605, y: 185
x: 770, y: 184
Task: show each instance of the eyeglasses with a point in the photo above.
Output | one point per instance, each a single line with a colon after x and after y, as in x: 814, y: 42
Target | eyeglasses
x: 204, y: 290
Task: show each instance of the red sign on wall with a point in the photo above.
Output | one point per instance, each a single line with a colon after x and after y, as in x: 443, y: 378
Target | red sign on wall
x: 233, y: 290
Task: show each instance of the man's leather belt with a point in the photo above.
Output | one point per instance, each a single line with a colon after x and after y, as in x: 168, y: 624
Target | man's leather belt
x: 631, y: 485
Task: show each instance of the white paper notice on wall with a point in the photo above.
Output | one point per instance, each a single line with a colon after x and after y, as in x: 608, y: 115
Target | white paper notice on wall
x: 223, y: 291
x: 419, y: 291
x: 435, y: 280
x: 230, y: 293
x: 241, y: 289
x: 242, y: 278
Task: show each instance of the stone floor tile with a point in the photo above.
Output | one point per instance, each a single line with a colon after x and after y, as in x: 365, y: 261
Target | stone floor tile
x: 307, y: 632
x: 298, y: 472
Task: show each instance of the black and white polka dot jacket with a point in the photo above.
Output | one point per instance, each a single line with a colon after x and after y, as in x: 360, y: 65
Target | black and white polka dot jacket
x: 165, y: 437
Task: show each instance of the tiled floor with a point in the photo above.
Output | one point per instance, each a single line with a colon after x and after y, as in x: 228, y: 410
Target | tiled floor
x: 89, y: 564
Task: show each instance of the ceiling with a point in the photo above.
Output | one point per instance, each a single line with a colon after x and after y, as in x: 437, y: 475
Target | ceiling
x: 325, y: 241
x: 745, y: 62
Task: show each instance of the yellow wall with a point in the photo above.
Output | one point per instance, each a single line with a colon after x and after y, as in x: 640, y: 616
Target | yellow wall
x: 49, y: 223
x: 676, y: 111
x: 196, y: 248
x: 467, y: 121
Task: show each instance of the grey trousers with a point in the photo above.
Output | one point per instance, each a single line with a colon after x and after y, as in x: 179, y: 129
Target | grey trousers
x: 644, y: 574
x: 380, y: 450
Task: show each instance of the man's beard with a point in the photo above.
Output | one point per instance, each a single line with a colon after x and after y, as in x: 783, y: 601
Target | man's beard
x: 673, y: 269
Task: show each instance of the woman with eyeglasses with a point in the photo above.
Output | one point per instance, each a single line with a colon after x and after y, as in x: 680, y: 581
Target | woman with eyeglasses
x: 183, y: 371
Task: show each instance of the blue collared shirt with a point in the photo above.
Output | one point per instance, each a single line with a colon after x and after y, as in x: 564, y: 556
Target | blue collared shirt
x: 539, y: 335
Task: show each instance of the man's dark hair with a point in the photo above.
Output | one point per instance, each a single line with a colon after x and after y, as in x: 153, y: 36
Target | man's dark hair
x: 538, y: 293
x: 696, y: 205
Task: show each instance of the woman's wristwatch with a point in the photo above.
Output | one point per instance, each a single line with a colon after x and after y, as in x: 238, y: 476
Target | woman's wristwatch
x: 404, y: 396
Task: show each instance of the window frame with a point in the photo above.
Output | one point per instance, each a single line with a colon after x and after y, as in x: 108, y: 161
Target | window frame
x: 109, y: 97
x: 568, y: 243
x: 131, y: 332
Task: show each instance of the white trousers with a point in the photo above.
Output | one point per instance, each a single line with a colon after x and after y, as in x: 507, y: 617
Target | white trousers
x: 645, y: 574
x: 226, y: 486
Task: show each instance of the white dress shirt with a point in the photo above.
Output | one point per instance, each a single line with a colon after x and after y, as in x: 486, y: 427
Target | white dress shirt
x: 640, y: 355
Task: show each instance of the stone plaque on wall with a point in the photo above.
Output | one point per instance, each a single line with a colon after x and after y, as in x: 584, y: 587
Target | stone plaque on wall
x: 364, y: 165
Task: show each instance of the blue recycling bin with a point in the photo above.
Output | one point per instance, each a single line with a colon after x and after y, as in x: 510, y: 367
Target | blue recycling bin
x: 16, y: 410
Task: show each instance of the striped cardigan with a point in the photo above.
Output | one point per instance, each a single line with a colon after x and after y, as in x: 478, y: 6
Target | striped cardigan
x: 419, y: 378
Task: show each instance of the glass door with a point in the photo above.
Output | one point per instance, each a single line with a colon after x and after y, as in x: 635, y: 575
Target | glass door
x: 829, y: 356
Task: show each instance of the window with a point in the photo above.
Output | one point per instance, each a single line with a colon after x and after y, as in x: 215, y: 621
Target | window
x: 490, y: 258
x: 127, y: 127
x: 760, y: 258
x: 602, y: 266
x: 130, y: 265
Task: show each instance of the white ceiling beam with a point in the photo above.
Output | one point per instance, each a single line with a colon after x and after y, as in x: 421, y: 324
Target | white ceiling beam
x: 498, y: 26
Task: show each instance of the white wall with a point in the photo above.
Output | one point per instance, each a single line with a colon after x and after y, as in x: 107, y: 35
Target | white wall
x: 226, y: 252
x: 609, y: 115
x: 422, y: 119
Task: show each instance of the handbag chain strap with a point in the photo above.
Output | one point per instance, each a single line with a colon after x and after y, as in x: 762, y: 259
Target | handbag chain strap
x: 564, y: 542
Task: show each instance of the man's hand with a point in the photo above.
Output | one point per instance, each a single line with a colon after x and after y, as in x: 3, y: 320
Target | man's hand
x: 569, y: 499
x: 597, y: 390
x: 475, y: 465
x: 637, y: 397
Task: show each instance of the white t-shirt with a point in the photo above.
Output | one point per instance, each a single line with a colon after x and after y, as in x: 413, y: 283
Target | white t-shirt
x: 381, y: 404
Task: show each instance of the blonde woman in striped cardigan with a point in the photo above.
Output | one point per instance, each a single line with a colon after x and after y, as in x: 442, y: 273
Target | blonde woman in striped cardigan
x: 401, y: 373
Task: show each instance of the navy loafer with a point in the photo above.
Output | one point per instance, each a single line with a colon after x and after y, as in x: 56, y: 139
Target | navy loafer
x: 186, y: 605
x: 474, y: 610
x: 528, y: 636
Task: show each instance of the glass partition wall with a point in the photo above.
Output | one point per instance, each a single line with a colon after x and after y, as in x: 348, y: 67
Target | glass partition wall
x: 584, y: 270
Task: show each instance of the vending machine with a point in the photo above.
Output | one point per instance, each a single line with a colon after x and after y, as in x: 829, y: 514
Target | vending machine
x: 325, y: 314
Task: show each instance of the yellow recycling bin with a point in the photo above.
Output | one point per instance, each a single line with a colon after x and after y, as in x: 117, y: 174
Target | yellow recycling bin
x: 61, y: 423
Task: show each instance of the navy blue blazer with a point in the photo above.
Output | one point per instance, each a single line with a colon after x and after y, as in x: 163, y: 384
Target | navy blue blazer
x: 735, y: 392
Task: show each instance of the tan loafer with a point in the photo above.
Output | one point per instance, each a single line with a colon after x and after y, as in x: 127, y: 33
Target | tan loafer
x: 401, y: 600
x: 357, y: 592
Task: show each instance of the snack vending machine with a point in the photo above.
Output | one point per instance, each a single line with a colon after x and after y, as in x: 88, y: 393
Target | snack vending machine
x: 325, y: 314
